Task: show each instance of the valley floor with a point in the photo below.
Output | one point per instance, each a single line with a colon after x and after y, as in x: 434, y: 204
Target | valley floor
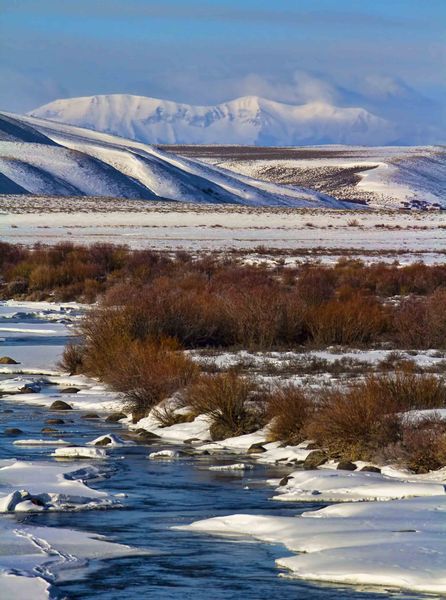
x: 259, y: 234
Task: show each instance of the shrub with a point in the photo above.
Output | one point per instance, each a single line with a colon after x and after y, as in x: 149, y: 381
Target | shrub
x: 422, y: 447
x: 72, y: 359
x: 289, y: 409
x: 149, y: 372
x: 357, y: 320
x: 406, y: 390
x: 353, y: 425
x: 225, y: 398
x: 167, y: 413
x: 359, y: 422
x: 410, y: 324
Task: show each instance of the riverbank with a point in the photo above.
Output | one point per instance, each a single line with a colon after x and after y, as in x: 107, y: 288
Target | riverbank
x: 348, y: 544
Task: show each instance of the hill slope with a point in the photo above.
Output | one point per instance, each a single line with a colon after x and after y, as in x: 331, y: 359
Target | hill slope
x: 249, y: 120
x: 83, y: 162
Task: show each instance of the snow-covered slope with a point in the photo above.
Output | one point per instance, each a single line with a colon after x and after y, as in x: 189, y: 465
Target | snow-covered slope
x: 383, y: 177
x: 84, y: 162
x: 248, y: 120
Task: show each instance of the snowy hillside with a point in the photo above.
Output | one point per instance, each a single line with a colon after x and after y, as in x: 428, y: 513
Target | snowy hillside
x: 382, y: 177
x: 77, y: 161
x: 249, y: 120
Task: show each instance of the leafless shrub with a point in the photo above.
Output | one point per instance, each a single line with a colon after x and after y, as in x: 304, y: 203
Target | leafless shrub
x: 72, y: 359
x: 225, y: 398
x: 289, y: 409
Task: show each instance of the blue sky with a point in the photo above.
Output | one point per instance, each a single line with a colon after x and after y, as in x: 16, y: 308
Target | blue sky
x: 381, y: 54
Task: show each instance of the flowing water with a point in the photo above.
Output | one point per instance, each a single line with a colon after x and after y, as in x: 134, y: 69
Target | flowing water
x: 162, y: 494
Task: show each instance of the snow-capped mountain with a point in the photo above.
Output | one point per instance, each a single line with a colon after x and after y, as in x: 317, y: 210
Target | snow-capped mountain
x: 249, y: 121
x: 49, y: 158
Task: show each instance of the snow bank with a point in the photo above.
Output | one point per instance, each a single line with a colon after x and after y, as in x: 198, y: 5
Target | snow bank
x: 40, y: 443
x: 397, y: 543
x: 326, y: 485
x: 79, y: 452
x: 18, y: 385
x: 196, y: 429
x: 28, y: 554
x: 36, y: 486
x: 110, y: 439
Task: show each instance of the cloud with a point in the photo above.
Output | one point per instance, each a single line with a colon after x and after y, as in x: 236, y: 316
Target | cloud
x: 21, y: 92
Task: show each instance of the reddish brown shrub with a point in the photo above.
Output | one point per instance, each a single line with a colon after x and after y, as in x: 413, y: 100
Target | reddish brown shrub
x: 358, y: 320
x: 289, y: 408
x: 225, y: 398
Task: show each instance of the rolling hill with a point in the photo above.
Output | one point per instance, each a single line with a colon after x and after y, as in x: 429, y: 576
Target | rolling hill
x: 47, y: 158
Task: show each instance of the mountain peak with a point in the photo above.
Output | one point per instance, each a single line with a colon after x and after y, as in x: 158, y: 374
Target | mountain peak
x: 249, y: 120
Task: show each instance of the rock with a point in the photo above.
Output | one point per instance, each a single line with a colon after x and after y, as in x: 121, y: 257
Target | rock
x: 312, y: 446
x: 13, y: 431
x: 105, y: 441
x: 48, y: 430
x: 90, y: 416
x: 30, y: 388
x: 8, y: 410
x: 371, y: 469
x: 256, y: 448
x: 314, y: 460
x: 7, y: 360
x: 60, y: 405
x: 346, y: 465
x: 146, y: 436
x: 55, y: 422
x: 191, y: 440
x: 69, y: 390
x: 285, y: 480
x: 115, y: 417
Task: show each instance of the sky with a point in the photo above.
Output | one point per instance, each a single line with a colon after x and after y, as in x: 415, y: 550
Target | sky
x: 388, y: 56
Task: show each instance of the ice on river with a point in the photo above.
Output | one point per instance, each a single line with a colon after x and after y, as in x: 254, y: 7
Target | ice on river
x: 36, y: 486
x: 30, y: 555
x: 327, y: 485
x: 399, y: 543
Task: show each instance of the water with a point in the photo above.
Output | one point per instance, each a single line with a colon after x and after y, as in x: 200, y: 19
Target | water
x: 162, y: 494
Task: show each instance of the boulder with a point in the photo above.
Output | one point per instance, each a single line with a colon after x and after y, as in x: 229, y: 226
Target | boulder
x: 191, y: 440
x: 7, y: 360
x: 256, y: 448
x: 314, y: 459
x: 90, y: 416
x: 146, y: 436
x: 105, y: 441
x: 48, y: 430
x: 115, y: 417
x: 346, y: 465
x: 30, y: 388
x: 60, y: 405
x: 13, y: 431
x: 371, y: 469
x: 285, y: 480
x: 69, y: 390
x: 55, y: 422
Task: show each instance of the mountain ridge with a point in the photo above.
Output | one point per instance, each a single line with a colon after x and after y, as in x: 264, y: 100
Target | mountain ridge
x: 248, y: 120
